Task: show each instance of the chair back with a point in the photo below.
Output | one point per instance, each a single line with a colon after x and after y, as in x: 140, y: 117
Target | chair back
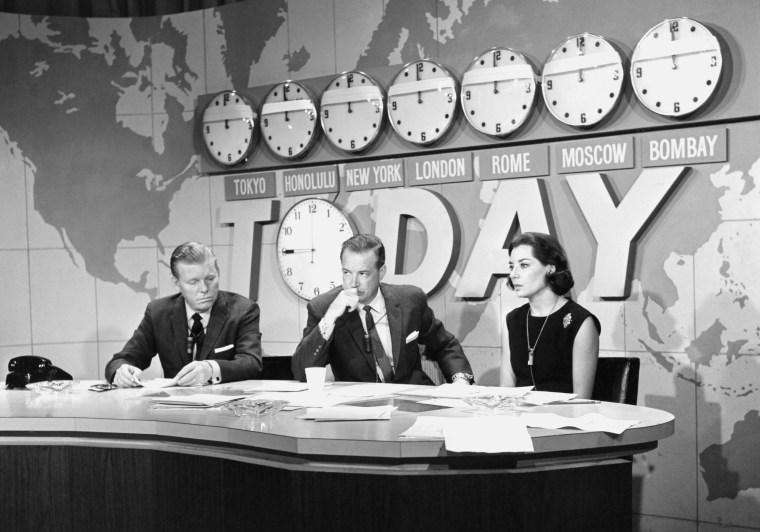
x: 617, y: 380
x: 276, y: 368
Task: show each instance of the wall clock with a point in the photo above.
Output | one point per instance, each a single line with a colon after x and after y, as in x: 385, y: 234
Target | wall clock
x: 308, y: 247
x: 582, y: 80
x: 351, y: 111
x: 676, y: 67
x: 289, y: 120
x: 422, y: 102
x: 498, y: 92
x: 228, y: 123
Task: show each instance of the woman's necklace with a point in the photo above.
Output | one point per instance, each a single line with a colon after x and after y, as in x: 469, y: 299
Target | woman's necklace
x: 527, y: 331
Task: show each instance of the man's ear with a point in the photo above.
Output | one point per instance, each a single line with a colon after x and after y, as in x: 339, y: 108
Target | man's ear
x: 381, y: 272
x: 175, y: 281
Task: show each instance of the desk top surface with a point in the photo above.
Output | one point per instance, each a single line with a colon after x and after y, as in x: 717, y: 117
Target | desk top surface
x: 126, y: 413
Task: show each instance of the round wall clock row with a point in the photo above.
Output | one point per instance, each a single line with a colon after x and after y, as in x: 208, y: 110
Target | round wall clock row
x: 675, y: 69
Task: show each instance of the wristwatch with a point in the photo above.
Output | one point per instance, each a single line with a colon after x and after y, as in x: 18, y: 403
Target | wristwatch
x: 469, y: 377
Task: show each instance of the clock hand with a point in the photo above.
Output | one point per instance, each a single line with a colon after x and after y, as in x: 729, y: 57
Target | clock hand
x: 673, y: 29
x: 495, y: 83
x: 285, y: 99
x: 419, y: 93
x: 286, y: 251
x: 348, y: 81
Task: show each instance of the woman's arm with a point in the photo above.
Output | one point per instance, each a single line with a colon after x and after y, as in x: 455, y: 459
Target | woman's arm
x: 585, y: 355
x: 506, y: 374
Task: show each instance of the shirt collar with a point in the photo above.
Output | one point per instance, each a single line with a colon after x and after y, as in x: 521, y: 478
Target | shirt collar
x: 377, y: 303
x: 205, y: 316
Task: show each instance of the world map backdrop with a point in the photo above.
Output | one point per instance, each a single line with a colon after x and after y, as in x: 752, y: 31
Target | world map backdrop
x: 100, y: 177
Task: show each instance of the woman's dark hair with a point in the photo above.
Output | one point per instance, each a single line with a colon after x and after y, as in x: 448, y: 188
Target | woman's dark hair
x: 548, y: 251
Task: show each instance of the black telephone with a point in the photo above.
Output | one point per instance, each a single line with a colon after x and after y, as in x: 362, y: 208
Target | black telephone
x: 27, y: 369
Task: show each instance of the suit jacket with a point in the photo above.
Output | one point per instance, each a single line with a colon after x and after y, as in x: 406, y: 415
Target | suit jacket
x: 232, y: 338
x: 408, y: 311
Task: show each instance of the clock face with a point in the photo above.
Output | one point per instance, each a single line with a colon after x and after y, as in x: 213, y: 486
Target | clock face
x: 289, y: 120
x: 676, y: 67
x: 228, y: 128
x: 498, y: 92
x: 351, y: 111
x: 422, y: 102
x: 582, y: 80
x: 308, y: 247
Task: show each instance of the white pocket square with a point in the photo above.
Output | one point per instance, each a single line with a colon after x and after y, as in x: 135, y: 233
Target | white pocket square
x: 412, y: 336
x: 225, y: 348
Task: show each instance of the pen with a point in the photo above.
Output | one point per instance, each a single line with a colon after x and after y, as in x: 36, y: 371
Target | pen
x: 582, y: 402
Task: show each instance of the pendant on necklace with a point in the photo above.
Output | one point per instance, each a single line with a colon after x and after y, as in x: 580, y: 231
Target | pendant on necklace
x: 530, y: 357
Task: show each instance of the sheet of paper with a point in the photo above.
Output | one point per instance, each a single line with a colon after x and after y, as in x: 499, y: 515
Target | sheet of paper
x: 545, y: 398
x: 592, y: 422
x: 371, y: 389
x: 305, y: 398
x: 277, y: 386
x: 348, y: 413
x: 487, y: 434
x: 443, y: 401
x: 159, y: 383
x: 457, y: 391
x: 199, y: 400
x: 425, y: 428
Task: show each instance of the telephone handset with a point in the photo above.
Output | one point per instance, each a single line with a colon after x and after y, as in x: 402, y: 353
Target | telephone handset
x: 26, y: 369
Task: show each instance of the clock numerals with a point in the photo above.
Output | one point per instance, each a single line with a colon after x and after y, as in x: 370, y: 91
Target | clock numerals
x: 288, y: 122
x: 352, y: 111
x: 308, y: 246
x: 676, y: 67
x: 498, y: 92
x: 422, y: 102
x: 582, y: 80
x: 229, y: 128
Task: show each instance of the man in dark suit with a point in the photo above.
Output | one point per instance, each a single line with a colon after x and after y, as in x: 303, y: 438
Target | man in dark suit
x: 201, y: 335
x: 370, y: 331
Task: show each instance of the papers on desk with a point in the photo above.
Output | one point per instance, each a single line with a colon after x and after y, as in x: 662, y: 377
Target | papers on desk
x: 457, y: 391
x: 159, y: 383
x: 372, y: 390
x: 546, y: 398
x: 349, y: 413
x: 588, y: 422
x: 304, y: 399
x: 481, y: 434
x: 278, y: 386
x: 199, y: 400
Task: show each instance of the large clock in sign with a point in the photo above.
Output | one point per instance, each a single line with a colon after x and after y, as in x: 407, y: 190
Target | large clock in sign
x: 308, y: 246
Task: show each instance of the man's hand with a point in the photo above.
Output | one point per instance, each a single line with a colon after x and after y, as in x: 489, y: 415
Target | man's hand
x: 346, y: 301
x: 196, y: 373
x: 127, y: 376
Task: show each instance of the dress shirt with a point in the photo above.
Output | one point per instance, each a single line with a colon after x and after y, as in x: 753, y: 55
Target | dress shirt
x: 380, y: 314
x: 216, y: 373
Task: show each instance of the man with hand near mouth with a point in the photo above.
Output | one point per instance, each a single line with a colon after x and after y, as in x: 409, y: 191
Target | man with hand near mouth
x: 202, y: 335
x: 370, y: 331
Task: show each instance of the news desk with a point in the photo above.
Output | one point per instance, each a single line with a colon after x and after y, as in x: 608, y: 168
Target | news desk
x: 106, y: 461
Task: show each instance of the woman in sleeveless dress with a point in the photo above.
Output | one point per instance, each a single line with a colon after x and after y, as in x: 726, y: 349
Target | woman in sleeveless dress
x: 553, y: 342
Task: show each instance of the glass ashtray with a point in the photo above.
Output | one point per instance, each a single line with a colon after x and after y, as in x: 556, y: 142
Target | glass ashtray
x: 254, y: 407
x: 50, y: 386
x: 494, y: 403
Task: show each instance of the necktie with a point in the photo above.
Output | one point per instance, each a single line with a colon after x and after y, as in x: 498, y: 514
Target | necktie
x: 377, y: 347
x: 196, y: 331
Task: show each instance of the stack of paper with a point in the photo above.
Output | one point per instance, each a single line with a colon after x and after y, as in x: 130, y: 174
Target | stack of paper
x: 481, y: 434
x: 457, y: 391
x: 199, y: 400
x: 348, y: 413
x: 588, y: 422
